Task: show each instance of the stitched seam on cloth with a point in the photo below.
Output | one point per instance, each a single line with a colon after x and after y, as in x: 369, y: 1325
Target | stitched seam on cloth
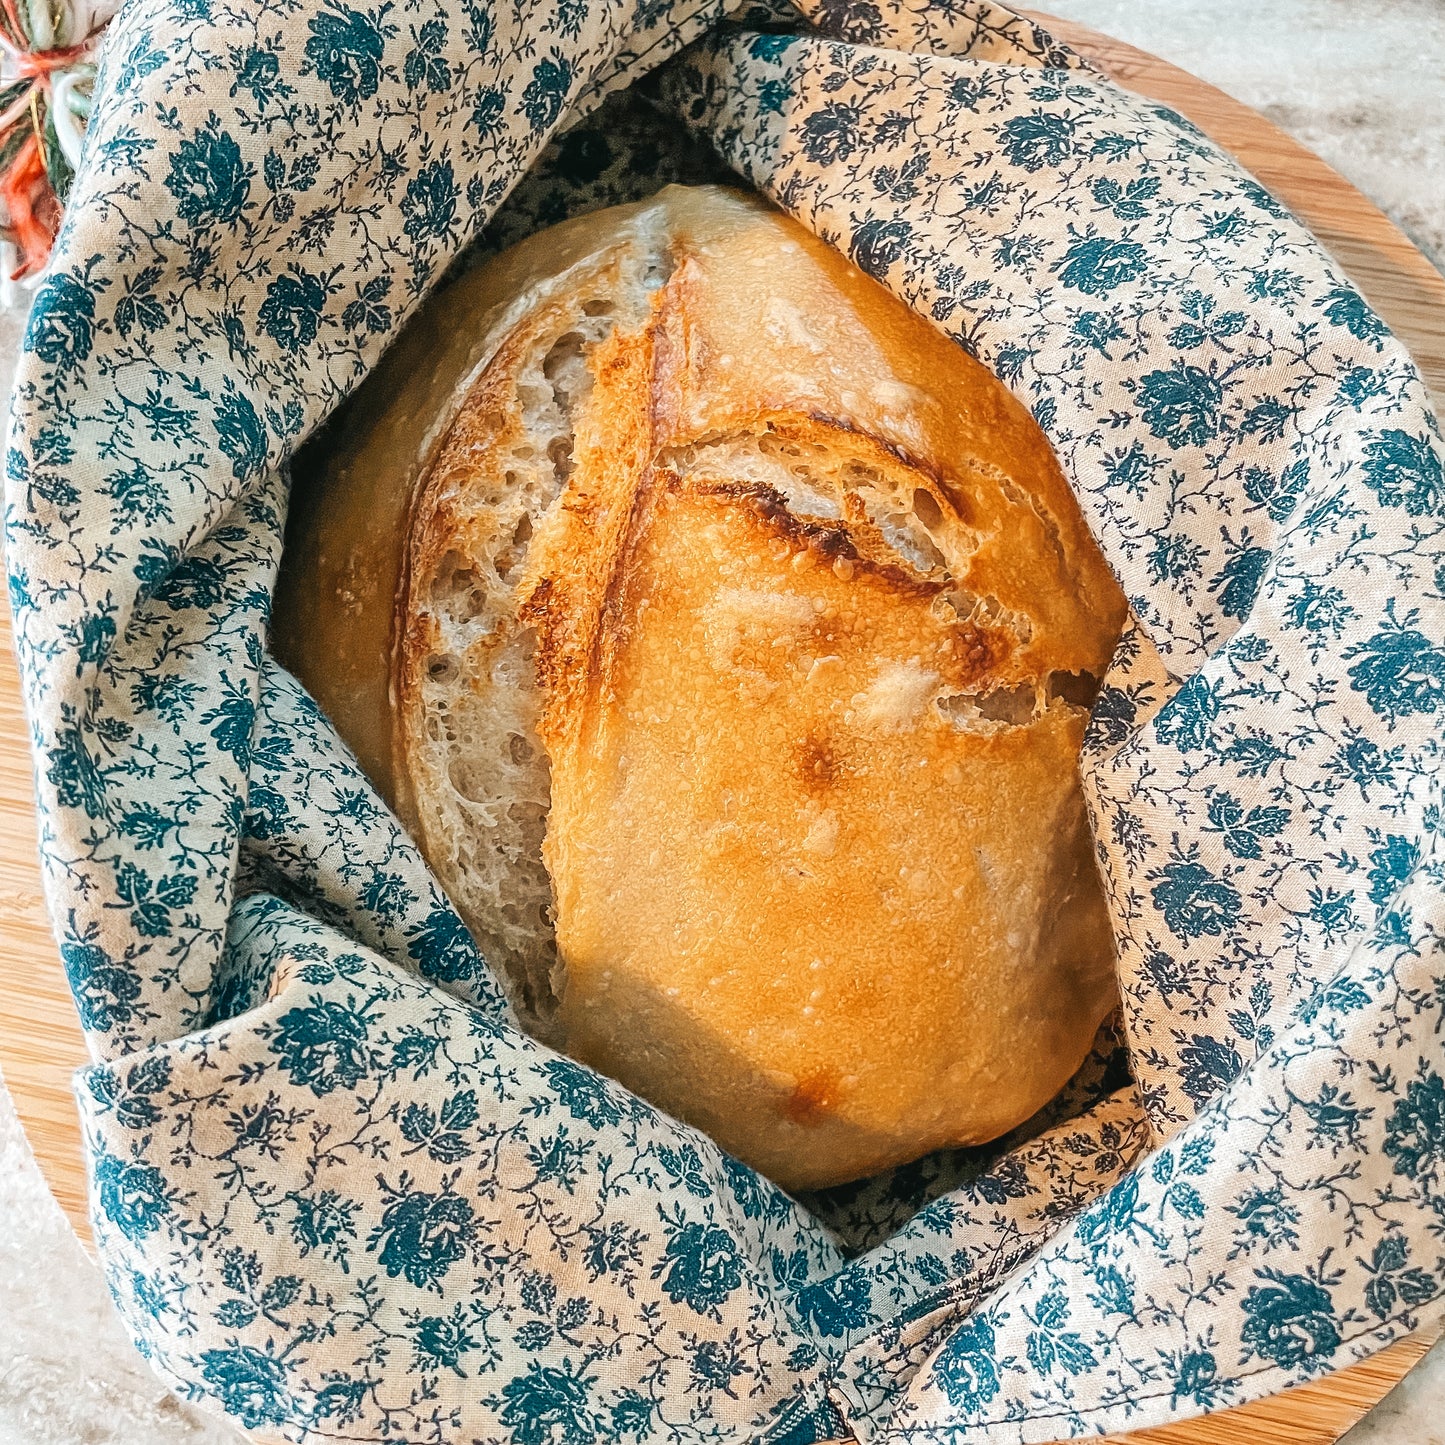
x: 942, y: 1300
x: 308, y: 1432
x: 906, y: 1432
x: 899, y: 63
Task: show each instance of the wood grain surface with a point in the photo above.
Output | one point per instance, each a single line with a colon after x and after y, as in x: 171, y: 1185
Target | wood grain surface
x: 40, y: 1040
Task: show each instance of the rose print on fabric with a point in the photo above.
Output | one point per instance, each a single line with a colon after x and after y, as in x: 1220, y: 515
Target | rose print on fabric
x: 337, y: 1193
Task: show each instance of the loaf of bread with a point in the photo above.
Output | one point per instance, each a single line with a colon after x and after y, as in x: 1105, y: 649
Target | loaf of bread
x: 725, y: 636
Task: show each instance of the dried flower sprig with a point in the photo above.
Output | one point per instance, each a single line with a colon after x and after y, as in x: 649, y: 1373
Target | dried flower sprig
x: 47, y: 69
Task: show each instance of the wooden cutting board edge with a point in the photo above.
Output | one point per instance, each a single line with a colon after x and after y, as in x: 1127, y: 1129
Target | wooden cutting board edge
x: 40, y: 1039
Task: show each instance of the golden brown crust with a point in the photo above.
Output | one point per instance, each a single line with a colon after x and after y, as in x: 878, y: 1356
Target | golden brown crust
x: 337, y: 595
x: 822, y: 879
x: 799, y: 906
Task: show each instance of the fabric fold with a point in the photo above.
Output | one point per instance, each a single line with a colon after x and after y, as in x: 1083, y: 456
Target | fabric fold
x: 337, y: 1192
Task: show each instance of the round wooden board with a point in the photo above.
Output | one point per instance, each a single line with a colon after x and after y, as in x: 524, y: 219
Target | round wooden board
x: 40, y: 1040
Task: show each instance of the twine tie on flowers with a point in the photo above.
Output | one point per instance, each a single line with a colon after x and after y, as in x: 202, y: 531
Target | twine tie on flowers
x: 45, y: 86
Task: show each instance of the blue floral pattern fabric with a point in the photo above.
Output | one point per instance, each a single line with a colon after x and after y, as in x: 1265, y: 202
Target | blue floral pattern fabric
x: 337, y: 1193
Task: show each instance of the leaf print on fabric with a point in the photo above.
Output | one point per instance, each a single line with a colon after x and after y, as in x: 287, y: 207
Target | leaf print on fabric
x: 441, y: 1134
x: 369, y: 310
x: 61, y: 328
x: 1244, y: 832
x: 1130, y: 201
x: 1209, y: 1066
x: 550, y: 1403
x: 701, y: 1267
x: 878, y: 244
x: 250, y: 1384
x: 966, y: 1368
x: 1395, y: 1279
x: 323, y: 1046
x: 232, y: 721
x: 291, y: 312
x: 241, y: 433
x: 1400, y: 671
x: 430, y: 204
x: 442, y: 947
x: 421, y: 1236
x: 152, y: 900
x: 831, y: 134
x: 346, y: 48
x: 1181, y: 405
x: 1051, y: 1345
x: 587, y: 1097
x: 1346, y: 307
x: 426, y: 62
x: 1192, y: 900
x: 106, y: 992
x: 133, y: 1097
x: 1415, y: 1135
x: 1239, y: 581
x: 543, y: 96
x: 1037, y: 140
x: 836, y: 1307
x: 1095, y: 265
x: 131, y: 1196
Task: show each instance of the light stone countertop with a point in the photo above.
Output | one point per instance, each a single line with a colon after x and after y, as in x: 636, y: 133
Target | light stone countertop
x: 1359, y: 81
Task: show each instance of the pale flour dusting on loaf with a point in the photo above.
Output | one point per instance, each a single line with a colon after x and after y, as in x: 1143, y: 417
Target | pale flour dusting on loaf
x: 894, y: 700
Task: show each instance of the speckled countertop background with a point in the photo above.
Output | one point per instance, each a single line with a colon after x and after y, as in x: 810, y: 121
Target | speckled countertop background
x: 1358, y: 82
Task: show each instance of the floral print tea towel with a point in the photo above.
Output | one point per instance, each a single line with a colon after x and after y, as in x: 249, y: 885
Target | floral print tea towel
x: 337, y: 1193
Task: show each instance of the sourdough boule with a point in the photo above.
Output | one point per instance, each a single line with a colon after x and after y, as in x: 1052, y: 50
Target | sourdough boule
x: 725, y: 636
